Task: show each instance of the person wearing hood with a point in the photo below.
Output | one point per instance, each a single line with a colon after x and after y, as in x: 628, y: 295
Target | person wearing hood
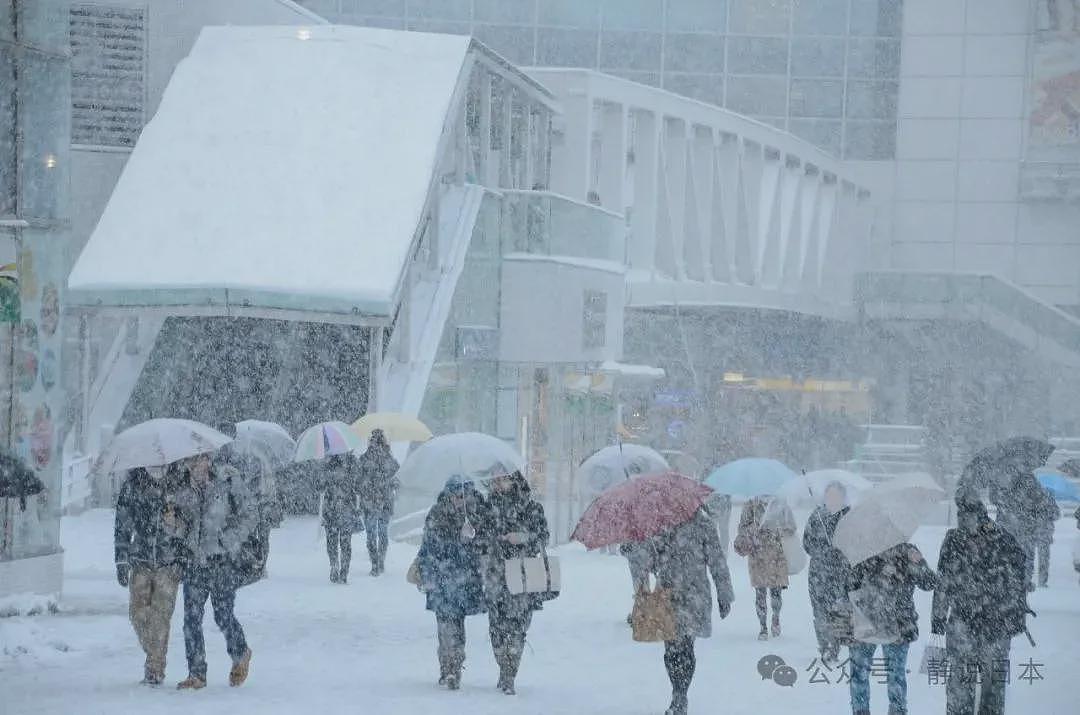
x: 378, y: 489
x: 457, y: 531
x: 147, y: 563
x: 980, y: 603
x: 760, y: 539
x: 519, y: 530
x: 215, y: 516
x: 684, y: 559
x: 881, y: 590
x: 828, y: 570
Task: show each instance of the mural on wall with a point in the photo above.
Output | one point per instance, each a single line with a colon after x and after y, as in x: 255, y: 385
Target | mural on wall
x: 1055, y: 82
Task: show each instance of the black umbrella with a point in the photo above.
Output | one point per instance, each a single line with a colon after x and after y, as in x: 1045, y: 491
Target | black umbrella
x: 1003, y: 464
x: 17, y: 481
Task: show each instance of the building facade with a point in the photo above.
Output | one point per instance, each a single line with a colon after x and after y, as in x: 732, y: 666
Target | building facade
x: 826, y: 70
x: 34, y: 224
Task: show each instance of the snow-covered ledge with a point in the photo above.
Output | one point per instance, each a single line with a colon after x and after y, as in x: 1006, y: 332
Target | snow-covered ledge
x: 31, y: 584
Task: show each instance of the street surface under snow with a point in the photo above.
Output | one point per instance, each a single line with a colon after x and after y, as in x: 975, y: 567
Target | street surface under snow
x: 369, y: 646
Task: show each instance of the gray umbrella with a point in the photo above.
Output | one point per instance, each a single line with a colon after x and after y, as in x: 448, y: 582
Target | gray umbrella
x: 18, y: 481
x: 1003, y: 464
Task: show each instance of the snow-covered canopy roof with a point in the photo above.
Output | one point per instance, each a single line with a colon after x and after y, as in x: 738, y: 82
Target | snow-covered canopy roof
x: 286, y: 168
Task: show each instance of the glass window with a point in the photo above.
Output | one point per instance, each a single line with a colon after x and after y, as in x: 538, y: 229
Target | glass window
x: 757, y: 95
x: 696, y: 15
x: 876, y: 17
x: 760, y: 17
x: 817, y: 98
x: 566, y: 48
x: 873, y: 58
x: 870, y: 140
x: 706, y: 87
x: 330, y: 9
x: 7, y: 131
x: 630, y: 50
x: 817, y: 57
x: 386, y: 23
x: 820, y: 17
x: 872, y: 100
x: 694, y: 53
x: 822, y: 133
x: 569, y: 13
x: 45, y: 108
x: 380, y: 8
x: 511, y: 12
x: 757, y: 55
x: 633, y: 15
x: 513, y: 43
x: 440, y: 9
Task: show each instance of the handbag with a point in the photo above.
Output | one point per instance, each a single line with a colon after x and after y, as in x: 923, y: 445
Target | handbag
x: 793, y: 553
x: 533, y: 574
x: 653, y: 617
x: 413, y: 574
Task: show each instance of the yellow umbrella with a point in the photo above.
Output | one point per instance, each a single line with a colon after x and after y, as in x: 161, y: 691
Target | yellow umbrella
x: 396, y: 426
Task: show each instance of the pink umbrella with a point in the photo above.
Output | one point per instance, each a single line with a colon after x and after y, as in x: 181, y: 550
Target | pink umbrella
x: 639, y: 508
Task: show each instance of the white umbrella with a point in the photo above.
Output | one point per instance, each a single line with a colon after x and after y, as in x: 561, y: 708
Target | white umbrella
x: 616, y: 462
x: 886, y: 515
x: 156, y: 443
x: 471, y: 455
x: 809, y: 489
x: 268, y: 440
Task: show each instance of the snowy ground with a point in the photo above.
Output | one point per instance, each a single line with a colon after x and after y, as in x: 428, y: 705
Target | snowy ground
x: 369, y: 646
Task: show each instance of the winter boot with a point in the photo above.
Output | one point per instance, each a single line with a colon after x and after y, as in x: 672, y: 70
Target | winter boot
x: 764, y: 634
x: 453, y: 680
x: 192, y: 682
x: 239, y: 672
x: 678, y: 704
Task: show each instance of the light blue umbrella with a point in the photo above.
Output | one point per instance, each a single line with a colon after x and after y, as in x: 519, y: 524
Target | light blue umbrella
x: 1058, y: 484
x: 749, y: 478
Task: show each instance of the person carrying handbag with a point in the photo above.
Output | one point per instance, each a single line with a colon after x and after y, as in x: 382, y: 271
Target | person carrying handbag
x: 520, y: 530
x: 762, y: 544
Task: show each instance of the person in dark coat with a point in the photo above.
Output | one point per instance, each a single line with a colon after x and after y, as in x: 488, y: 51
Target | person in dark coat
x: 456, y: 533
x: 148, y: 564
x: 1018, y: 504
x: 882, y: 594
x: 215, y: 516
x: 828, y: 569
x: 980, y: 603
x: 686, y: 556
x: 519, y: 530
x: 341, y: 514
x: 378, y: 489
x: 1047, y: 512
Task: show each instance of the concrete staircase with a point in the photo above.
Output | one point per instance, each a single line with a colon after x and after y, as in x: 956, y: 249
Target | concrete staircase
x: 889, y: 450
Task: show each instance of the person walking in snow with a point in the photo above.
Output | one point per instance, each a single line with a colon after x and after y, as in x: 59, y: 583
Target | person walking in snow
x: 456, y: 532
x: 828, y: 569
x: 686, y: 556
x: 378, y: 489
x: 340, y: 512
x: 215, y: 515
x: 1047, y: 512
x: 980, y: 603
x: 760, y: 540
x: 519, y: 530
x: 147, y: 563
x: 881, y: 590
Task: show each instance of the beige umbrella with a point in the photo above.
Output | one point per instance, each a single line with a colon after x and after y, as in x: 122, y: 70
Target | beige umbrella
x: 396, y: 426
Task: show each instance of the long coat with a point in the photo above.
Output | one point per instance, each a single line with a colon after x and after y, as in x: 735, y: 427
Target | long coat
x: 829, y: 569
x: 515, y: 511
x: 214, y: 520
x: 685, y: 558
x: 982, y: 583
x: 378, y: 481
x: 451, y: 567
x: 341, y: 477
x: 763, y: 546
x: 887, y: 582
